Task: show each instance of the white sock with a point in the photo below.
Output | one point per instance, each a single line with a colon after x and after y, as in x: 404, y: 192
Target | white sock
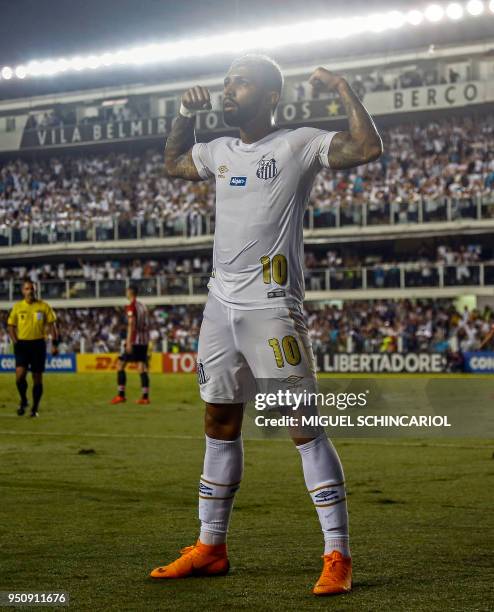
x: 222, y: 473
x: 325, y: 481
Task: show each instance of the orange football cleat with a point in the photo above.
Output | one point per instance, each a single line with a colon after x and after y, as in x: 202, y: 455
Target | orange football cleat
x: 118, y: 399
x: 198, y: 560
x: 336, y: 575
x: 143, y: 400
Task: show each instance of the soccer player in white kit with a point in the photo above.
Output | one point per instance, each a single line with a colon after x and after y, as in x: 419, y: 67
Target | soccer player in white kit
x: 253, y: 328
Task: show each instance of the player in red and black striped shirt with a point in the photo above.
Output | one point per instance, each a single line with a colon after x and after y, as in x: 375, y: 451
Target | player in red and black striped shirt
x: 136, y: 347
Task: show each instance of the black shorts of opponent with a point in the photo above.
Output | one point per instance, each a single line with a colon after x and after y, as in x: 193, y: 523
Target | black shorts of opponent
x: 139, y: 353
x: 30, y: 354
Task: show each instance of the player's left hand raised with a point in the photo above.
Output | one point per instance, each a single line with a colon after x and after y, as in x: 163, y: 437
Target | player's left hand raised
x: 323, y: 80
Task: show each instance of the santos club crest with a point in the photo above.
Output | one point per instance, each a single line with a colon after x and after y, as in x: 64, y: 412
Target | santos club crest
x: 266, y: 168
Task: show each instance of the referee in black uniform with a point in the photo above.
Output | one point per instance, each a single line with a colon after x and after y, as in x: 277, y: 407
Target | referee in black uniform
x: 30, y: 320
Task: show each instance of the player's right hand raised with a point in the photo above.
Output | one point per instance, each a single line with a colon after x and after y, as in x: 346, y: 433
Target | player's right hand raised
x: 197, y: 98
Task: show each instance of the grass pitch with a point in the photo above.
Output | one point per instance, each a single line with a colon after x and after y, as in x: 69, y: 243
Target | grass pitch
x: 94, y: 524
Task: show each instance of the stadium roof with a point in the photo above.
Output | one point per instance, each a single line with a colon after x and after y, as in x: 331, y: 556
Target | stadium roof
x: 64, y: 28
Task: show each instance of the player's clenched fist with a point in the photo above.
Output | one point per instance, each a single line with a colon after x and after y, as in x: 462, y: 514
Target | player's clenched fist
x: 323, y: 80
x: 197, y: 98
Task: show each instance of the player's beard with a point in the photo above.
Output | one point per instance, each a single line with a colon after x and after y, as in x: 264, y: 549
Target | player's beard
x: 239, y: 116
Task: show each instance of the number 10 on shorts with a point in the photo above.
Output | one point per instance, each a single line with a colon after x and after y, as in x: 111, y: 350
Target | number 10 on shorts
x: 288, y: 351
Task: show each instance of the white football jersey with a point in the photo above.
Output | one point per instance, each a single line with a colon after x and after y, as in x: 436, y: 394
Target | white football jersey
x: 262, y: 190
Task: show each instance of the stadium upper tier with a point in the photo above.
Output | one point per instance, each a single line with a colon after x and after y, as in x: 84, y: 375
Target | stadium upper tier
x: 437, y: 171
x: 467, y: 265
x: 416, y: 277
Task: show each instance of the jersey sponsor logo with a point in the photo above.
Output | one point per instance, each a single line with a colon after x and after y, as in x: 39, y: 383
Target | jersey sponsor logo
x: 266, y: 168
x: 222, y: 170
x: 201, y: 374
x: 276, y: 293
x: 238, y: 181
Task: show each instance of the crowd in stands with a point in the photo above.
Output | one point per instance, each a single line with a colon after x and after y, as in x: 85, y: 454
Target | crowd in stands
x: 424, y: 164
x: 77, y: 193
x: 421, y: 267
x: 421, y: 164
x: 378, y: 80
x: 359, y: 326
x: 116, y: 269
x: 61, y: 116
x: 102, y: 330
x: 391, y: 326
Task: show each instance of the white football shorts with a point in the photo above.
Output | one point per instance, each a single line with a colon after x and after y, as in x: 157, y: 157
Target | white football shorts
x: 243, y: 352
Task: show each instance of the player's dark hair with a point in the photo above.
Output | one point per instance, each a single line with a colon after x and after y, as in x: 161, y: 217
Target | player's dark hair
x: 270, y: 70
x: 134, y: 289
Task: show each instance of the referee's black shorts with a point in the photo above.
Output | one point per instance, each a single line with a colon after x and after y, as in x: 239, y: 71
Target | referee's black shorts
x: 139, y: 353
x: 30, y: 354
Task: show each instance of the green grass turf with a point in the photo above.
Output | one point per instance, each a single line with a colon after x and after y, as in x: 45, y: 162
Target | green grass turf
x: 95, y: 524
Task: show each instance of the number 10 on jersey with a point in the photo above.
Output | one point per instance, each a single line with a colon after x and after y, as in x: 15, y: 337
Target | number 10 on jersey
x: 275, y: 269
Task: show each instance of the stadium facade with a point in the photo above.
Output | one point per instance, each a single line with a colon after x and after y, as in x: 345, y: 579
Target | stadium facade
x: 428, y: 89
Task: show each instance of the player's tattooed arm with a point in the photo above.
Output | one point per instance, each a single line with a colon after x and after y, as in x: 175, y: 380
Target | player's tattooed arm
x: 178, y: 148
x: 361, y: 143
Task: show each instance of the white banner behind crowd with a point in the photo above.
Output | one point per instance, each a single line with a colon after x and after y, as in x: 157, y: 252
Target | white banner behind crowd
x: 412, y: 99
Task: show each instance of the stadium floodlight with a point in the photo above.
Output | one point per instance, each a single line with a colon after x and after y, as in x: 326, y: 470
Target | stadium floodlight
x: 415, y: 17
x: 108, y: 59
x: 77, y: 63
x: 21, y: 72
x: 266, y: 38
x: 475, y: 7
x: 454, y: 11
x: 395, y: 19
x: 93, y: 62
x: 7, y: 73
x: 434, y: 13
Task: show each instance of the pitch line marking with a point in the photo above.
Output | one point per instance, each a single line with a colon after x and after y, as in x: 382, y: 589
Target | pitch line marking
x: 349, y: 442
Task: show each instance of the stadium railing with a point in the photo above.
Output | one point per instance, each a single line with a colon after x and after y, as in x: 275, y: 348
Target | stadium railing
x: 385, y: 276
x: 333, y: 215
